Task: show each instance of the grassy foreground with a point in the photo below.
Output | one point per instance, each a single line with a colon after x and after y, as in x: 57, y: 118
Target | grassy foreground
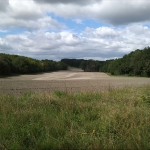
x: 118, y: 119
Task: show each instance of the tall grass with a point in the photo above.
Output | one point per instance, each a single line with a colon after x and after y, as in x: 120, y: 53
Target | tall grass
x: 118, y: 119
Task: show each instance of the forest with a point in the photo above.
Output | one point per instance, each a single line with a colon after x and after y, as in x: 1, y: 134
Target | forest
x: 14, y: 64
x: 136, y: 63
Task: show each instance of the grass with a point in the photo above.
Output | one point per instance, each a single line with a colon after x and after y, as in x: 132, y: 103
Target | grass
x: 116, y: 119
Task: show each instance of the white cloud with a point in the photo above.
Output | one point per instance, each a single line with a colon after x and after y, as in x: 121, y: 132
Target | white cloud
x: 27, y: 15
x: 44, y: 23
x: 45, y: 36
x: 115, y: 12
x: 25, y: 10
x: 102, y: 42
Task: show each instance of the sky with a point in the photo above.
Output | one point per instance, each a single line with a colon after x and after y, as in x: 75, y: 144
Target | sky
x: 88, y: 29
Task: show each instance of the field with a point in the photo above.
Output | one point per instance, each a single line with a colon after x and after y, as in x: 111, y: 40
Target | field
x: 68, y: 81
x: 74, y: 110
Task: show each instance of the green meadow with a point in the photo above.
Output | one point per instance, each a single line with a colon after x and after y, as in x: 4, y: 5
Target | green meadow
x: 115, y: 119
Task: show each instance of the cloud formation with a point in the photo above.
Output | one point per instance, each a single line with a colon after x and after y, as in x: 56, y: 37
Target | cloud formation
x: 102, y: 43
x: 124, y: 11
x: 78, y: 2
x: 3, y: 5
x: 26, y: 15
x: 41, y: 31
x: 115, y: 12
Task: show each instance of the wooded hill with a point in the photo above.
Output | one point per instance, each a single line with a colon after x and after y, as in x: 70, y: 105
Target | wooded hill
x: 136, y: 63
x: 14, y: 64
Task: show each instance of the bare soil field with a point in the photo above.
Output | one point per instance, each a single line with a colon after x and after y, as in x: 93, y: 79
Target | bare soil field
x: 73, y: 80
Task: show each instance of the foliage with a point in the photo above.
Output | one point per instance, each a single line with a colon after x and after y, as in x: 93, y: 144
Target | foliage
x: 86, y: 65
x: 13, y: 64
x: 73, y: 62
x: 118, y: 119
x: 136, y: 63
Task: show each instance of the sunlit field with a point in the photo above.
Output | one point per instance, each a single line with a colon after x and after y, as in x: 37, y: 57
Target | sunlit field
x: 68, y: 81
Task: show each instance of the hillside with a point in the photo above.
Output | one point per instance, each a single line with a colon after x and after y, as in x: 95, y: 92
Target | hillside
x: 136, y: 63
x: 14, y: 64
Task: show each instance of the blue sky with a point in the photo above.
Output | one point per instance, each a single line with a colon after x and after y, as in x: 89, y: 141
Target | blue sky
x: 77, y: 25
x: 91, y: 29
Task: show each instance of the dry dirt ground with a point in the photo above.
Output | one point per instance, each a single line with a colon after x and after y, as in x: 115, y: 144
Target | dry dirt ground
x: 74, y: 80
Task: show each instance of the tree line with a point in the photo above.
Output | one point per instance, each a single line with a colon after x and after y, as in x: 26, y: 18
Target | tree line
x: 14, y: 64
x: 136, y: 63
